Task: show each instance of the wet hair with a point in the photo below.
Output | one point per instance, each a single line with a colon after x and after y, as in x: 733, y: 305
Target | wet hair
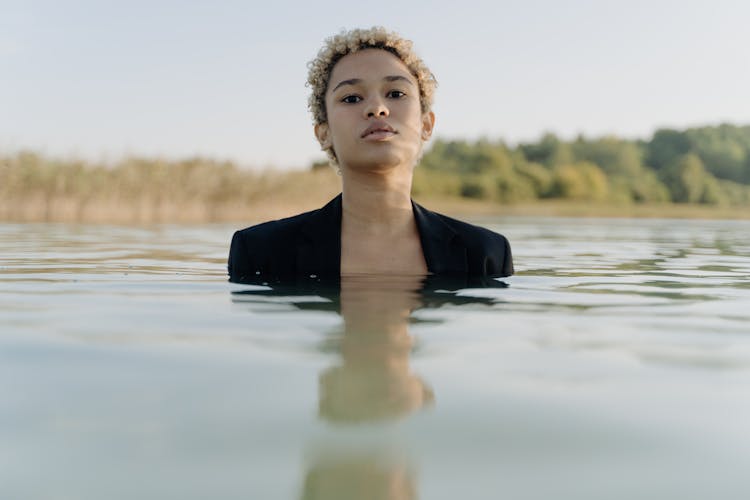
x: 347, y: 42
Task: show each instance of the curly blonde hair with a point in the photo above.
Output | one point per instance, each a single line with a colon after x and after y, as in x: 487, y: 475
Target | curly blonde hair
x: 347, y: 42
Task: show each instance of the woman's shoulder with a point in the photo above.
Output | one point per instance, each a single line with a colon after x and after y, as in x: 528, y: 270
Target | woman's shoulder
x: 289, y: 227
x: 271, y: 230
x: 272, y: 247
x: 473, y: 234
x: 487, y: 252
x: 254, y: 248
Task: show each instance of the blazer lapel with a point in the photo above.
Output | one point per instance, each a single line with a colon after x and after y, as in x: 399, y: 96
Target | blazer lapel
x: 441, y: 245
x: 319, y: 245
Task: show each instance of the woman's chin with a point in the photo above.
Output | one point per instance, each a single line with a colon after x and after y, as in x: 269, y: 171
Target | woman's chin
x: 383, y: 161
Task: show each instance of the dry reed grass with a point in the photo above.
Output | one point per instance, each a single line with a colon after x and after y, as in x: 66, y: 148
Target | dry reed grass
x: 34, y: 189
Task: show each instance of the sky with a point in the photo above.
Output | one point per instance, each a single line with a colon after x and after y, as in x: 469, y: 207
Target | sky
x: 100, y: 80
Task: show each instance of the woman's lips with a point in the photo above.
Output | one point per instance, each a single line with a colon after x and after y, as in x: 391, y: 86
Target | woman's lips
x: 377, y: 131
x: 378, y: 135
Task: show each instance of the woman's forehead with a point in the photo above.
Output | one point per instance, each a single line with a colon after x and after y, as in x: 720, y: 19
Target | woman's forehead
x: 369, y: 64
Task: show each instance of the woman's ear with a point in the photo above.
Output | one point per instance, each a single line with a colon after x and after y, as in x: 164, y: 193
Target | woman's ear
x: 428, y: 123
x: 322, y: 132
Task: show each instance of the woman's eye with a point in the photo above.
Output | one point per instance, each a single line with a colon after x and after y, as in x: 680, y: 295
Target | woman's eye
x: 396, y: 94
x: 351, y: 99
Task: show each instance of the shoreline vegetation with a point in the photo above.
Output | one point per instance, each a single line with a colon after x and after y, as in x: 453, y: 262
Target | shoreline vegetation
x: 699, y: 172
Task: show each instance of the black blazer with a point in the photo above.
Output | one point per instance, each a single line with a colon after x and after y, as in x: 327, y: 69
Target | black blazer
x: 309, y: 246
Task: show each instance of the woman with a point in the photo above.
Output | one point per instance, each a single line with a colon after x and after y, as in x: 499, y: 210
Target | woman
x: 371, y: 99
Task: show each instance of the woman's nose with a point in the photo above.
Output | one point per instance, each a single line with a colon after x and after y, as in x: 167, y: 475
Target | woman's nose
x: 376, y: 108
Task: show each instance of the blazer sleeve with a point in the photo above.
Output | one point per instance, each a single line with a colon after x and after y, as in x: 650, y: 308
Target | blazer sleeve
x: 247, y: 256
x: 506, y: 269
x: 488, y: 252
x: 262, y: 251
x: 237, y: 263
x: 491, y: 255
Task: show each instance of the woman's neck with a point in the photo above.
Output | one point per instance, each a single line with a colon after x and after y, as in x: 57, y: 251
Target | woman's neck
x: 379, y: 202
x: 379, y: 233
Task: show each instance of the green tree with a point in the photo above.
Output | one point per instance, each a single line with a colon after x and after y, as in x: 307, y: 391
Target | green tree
x: 614, y: 156
x: 724, y: 150
x: 549, y: 151
x: 580, y: 181
x: 539, y: 177
x: 665, y: 147
x: 646, y: 187
x: 686, y: 179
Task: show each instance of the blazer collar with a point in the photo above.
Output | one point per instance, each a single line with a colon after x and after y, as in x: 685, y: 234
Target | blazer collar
x: 319, y: 248
x: 319, y: 251
x: 441, y: 245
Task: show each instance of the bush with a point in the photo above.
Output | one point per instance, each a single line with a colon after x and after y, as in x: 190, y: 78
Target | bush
x: 581, y: 181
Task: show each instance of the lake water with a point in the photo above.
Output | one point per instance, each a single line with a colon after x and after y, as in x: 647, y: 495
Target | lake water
x: 614, y: 365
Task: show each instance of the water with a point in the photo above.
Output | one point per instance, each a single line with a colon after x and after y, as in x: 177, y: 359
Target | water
x: 616, y: 364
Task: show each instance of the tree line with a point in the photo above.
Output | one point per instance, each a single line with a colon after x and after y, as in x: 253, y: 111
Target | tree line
x: 705, y: 165
x: 709, y: 165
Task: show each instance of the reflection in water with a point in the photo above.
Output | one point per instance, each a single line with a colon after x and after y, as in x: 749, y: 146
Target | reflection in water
x: 372, y: 382
x: 364, y: 477
x: 616, y: 366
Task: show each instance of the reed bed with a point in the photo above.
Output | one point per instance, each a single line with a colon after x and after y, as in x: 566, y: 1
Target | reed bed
x: 137, y: 190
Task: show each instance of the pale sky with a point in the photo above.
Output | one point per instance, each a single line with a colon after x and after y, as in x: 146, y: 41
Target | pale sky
x: 102, y: 79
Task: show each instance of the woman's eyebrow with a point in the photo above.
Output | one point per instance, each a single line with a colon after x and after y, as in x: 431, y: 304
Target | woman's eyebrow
x: 351, y: 81
x: 355, y: 81
x: 395, y: 78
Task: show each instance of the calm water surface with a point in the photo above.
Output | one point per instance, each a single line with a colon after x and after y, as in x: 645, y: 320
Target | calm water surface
x: 615, y: 364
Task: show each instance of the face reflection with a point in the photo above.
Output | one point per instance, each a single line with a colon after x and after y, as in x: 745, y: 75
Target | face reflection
x: 374, y: 113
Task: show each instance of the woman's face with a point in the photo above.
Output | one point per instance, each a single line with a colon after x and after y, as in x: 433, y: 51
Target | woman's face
x: 375, y: 119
